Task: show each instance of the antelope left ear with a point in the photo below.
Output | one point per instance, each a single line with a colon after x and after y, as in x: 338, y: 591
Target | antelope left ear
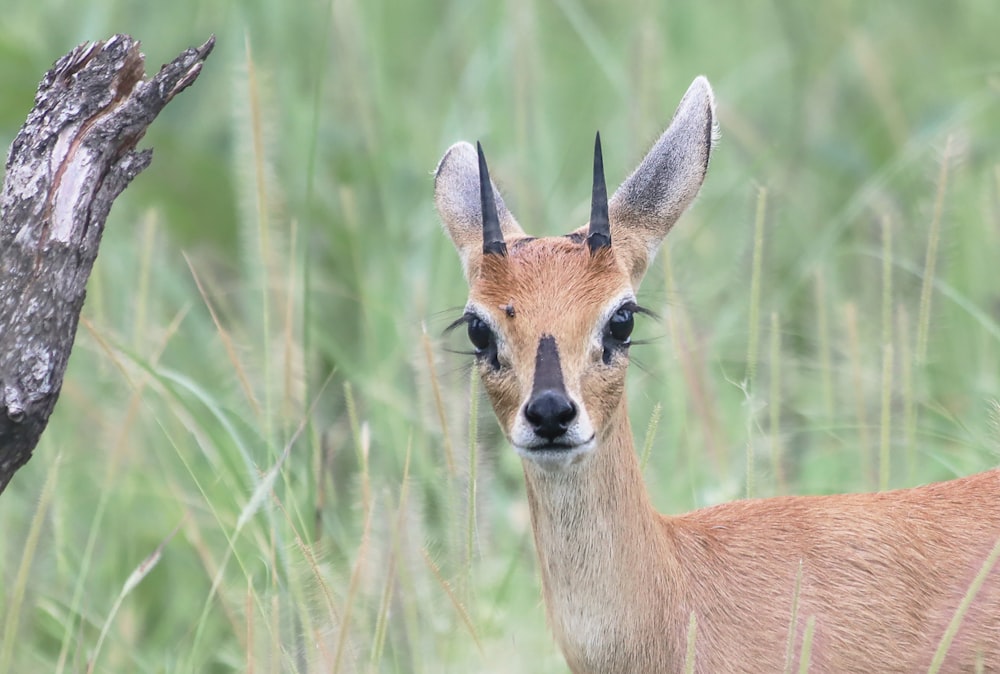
x: 648, y: 203
x: 458, y: 198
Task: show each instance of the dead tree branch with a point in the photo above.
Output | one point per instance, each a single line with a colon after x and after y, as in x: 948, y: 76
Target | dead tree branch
x: 71, y: 159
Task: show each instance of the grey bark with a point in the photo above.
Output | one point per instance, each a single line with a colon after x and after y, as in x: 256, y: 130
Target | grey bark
x: 71, y: 159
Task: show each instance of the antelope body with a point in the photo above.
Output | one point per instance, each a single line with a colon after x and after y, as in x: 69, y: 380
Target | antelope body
x: 880, y: 575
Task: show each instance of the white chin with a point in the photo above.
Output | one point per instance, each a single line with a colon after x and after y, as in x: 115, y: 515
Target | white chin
x: 554, y: 457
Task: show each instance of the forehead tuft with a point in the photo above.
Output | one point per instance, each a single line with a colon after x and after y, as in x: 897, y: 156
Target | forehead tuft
x: 552, y: 274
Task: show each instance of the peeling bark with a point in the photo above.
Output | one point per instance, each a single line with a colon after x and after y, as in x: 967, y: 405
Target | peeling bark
x: 74, y: 155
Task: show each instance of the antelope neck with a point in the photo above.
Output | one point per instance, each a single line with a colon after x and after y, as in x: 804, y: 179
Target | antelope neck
x: 594, y: 525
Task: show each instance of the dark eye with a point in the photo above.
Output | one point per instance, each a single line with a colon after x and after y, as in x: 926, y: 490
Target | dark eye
x: 621, y: 324
x: 618, y: 332
x: 479, y: 334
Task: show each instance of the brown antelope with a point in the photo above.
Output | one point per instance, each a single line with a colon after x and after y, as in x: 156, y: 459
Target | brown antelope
x: 879, y: 577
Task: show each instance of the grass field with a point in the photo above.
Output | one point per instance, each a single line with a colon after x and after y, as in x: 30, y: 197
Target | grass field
x: 265, y: 457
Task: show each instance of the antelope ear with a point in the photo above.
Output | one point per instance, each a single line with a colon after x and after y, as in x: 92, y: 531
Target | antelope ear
x: 459, y: 204
x: 648, y: 203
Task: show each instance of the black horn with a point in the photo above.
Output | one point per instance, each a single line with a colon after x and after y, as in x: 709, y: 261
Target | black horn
x: 493, y: 243
x: 599, y: 234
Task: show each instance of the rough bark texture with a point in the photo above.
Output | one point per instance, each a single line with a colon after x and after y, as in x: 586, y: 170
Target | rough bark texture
x: 72, y: 158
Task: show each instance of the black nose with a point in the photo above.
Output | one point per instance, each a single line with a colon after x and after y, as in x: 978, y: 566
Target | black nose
x: 550, y: 413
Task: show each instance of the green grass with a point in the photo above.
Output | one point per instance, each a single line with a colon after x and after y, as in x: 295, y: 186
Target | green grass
x: 257, y: 464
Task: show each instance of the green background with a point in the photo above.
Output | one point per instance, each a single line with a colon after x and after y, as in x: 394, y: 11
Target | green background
x: 250, y: 469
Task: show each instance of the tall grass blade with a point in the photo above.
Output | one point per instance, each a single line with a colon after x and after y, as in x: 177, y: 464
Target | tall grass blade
x: 930, y: 260
x: 823, y: 337
x: 885, y: 427
x: 449, y: 453
x: 254, y: 106
x: 805, y: 656
x: 793, y: 623
x: 692, y: 369
x: 136, y: 577
x: 885, y: 432
x: 111, y: 474
x: 753, y: 329
x: 360, y: 435
x: 596, y: 43
x: 647, y: 445
x: 227, y: 342
x: 859, y: 394
x: 774, y: 405
x: 352, y: 591
x: 470, y: 532
x: 459, y: 609
x: 382, y: 619
x: 887, y: 262
x: 956, y: 620
x: 689, y: 657
x: 248, y: 609
x: 12, y: 610
x: 142, y: 297
x: 753, y: 332
x: 288, y: 328
x: 909, y: 398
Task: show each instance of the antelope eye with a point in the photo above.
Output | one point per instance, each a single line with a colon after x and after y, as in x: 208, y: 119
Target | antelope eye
x: 479, y: 333
x: 621, y: 324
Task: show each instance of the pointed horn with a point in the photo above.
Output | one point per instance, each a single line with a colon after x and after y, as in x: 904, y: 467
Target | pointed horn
x: 599, y: 233
x: 493, y: 243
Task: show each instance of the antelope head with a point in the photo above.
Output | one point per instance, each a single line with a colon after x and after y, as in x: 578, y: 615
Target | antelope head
x: 550, y: 319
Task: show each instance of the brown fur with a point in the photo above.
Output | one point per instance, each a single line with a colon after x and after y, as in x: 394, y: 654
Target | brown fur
x: 879, y: 576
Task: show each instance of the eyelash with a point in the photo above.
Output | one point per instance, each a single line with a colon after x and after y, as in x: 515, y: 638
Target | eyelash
x: 490, y: 349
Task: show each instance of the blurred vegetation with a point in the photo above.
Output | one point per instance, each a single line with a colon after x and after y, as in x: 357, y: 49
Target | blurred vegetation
x: 248, y: 469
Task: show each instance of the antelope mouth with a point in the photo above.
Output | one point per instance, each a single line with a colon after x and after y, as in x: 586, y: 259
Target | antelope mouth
x: 555, y: 454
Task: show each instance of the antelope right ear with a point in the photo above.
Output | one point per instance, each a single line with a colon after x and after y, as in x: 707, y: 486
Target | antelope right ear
x: 648, y: 203
x: 458, y: 198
